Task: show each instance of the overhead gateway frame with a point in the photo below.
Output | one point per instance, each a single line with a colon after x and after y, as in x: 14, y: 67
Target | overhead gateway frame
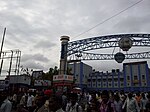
x: 77, y: 50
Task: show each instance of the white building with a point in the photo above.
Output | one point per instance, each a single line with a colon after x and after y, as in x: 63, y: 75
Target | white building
x: 19, y: 79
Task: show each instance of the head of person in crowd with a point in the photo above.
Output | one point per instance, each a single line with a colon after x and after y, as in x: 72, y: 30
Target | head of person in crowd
x: 130, y: 95
x: 138, y: 94
x: 4, y: 95
x: 105, y: 96
x: 143, y: 95
x: 39, y: 99
x: 73, y: 98
x: 47, y: 94
x: 55, y: 103
x: 148, y: 97
x: 93, y: 95
x: 30, y: 93
x: 121, y: 92
x: 116, y: 97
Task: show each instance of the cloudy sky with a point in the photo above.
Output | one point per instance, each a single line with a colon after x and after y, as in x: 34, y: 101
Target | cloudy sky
x: 35, y: 26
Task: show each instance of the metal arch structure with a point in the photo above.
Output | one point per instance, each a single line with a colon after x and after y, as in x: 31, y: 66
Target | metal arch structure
x: 77, y: 49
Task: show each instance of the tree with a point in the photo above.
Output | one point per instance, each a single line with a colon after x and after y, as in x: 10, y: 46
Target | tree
x: 69, y: 71
x: 49, y: 75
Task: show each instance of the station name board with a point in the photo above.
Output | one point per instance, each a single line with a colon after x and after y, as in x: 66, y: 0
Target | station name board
x: 62, y: 78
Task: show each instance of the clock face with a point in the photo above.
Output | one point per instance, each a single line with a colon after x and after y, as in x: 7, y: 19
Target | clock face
x: 125, y: 43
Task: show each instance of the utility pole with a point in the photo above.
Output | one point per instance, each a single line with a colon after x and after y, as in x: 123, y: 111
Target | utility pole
x: 1, y: 50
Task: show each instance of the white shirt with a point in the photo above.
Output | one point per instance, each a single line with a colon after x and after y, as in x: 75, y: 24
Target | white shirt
x: 30, y: 100
x: 6, y: 106
x: 14, y: 97
x: 143, y: 103
x: 132, y: 105
x: 74, y: 108
x: 60, y: 110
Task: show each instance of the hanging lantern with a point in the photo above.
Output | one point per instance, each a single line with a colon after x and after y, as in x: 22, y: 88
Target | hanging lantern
x: 119, y: 57
x: 125, y: 43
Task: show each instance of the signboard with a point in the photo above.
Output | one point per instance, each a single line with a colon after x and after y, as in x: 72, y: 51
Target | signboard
x: 42, y: 83
x: 62, y: 78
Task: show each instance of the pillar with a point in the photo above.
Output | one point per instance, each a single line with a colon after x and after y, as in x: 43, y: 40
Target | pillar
x: 63, y: 58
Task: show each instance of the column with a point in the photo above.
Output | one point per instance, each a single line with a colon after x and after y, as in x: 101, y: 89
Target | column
x: 63, y: 57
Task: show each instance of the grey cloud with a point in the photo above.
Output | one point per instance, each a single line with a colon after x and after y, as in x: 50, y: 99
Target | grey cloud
x: 133, y: 24
x: 45, y: 44
x: 34, y: 57
x: 32, y: 65
x: 38, y: 24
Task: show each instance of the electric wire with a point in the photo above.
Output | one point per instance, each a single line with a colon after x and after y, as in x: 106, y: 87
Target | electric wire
x: 108, y: 18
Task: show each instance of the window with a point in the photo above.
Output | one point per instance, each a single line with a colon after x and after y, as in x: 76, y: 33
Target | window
x: 89, y: 80
x: 109, y: 80
x: 135, y: 77
x: 116, y: 80
x: 104, y: 80
x: 128, y: 77
x: 121, y: 79
x: 121, y: 84
x: 94, y: 80
x: 143, y: 76
x: 116, y: 84
x: 99, y: 80
x: 109, y: 84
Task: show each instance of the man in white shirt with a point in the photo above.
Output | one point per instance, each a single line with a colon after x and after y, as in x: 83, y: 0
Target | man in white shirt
x: 131, y: 104
x: 73, y: 105
x: 6, y: 105
x: 30, y: 102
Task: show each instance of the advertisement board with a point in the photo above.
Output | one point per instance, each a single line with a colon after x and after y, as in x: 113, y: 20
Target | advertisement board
x: 62, y: 78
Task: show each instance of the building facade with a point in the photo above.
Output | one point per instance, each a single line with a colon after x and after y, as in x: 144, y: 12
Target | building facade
x: 19, y: 82
x: 106, y: 81
x: 81, y: 72
x: 136, y: 76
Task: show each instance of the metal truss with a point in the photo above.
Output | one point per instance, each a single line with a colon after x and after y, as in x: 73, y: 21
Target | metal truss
x: 76, y: 48
x: 90, y: 56
x: 13, y: 58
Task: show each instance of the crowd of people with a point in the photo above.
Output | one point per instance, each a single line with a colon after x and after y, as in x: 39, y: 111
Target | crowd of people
x: 48, y: 101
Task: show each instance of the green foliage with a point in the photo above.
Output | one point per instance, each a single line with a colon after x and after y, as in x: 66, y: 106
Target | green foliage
x: 69, y: 71
x: 49, y: 75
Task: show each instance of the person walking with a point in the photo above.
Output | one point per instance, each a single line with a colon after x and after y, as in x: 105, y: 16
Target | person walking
x: 131, y: 104
x: 73, y: 105
x: 143, y: 102
x: 6, y: 105
x: 118, y: 103
x: 106, y: 105
x: 147, y: 106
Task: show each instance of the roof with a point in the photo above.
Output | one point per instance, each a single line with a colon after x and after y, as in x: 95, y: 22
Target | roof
x: 135, y: 63
x: 2, y: 77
